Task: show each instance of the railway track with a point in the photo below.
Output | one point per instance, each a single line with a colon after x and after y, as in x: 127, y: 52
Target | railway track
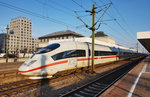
x: 19, y: 86
x: 98, y: 86
x: 8, y: 89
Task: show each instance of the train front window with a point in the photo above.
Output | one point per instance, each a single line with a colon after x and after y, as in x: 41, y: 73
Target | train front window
x: 48, y: 48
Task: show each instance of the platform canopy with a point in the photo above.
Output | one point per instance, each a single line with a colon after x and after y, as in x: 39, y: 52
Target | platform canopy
x: 144, y: 39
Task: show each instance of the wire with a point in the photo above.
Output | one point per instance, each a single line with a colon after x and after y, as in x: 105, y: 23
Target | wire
x: 78, y: 17
x: 122, y: 28
x: 78, y: 4
x: 85, y: 15
x: 124, y: 38
x: 111, y: 17
x: 115, y: 20
x: 80, y: 11
x: 61, y: 9
x: 34, y: 14
x: 68, y: 8
x: 122, y: 18
x: 101, y: 17
x: 51, y: 6
x: 101, y: 1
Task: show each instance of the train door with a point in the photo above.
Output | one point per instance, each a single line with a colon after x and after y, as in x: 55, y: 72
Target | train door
x: 88, y: 55
x: 81, y: 58
x: 85, y: 60
x: 72, y: 63
x: 72, y: 58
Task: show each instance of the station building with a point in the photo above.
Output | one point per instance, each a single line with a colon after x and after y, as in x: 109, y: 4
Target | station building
x: 69, y: 35
x: 57, y: 36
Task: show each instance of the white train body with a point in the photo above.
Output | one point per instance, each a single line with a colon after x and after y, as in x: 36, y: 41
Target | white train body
x: 69, y: 55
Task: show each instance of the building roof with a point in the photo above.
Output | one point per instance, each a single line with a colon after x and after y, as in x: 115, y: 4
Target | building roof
x: 100, y: 34
x: 144, y: 39
x: 61, y: 33
x: 21, y: 17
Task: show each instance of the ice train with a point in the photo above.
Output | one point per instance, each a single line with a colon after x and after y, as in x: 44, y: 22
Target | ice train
x: 69, y: 55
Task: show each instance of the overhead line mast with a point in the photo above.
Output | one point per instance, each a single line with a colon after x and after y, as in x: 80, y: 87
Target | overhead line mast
x: 93, y: 27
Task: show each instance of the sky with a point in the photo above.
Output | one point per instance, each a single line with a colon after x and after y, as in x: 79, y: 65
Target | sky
x: 122, y: 20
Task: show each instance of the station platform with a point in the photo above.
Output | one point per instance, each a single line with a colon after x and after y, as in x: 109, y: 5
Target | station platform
x: 134, y: 84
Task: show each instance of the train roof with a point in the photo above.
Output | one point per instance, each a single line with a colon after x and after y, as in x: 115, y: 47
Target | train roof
x: 98, y: 42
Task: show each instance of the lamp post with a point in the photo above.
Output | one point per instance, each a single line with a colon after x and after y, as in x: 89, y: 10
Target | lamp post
x: 7, y: 44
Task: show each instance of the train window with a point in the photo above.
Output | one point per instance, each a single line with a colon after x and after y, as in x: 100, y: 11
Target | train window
x: 48, y: 48
x: 69, y: 54
x: 104, y: 53
x: 127, y: 53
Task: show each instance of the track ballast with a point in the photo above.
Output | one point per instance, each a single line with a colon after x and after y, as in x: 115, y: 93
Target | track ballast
x: 98, y: 86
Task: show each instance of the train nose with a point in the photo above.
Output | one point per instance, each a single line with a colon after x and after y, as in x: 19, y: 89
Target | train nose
x: 23, y: 69
x: 26, y: 67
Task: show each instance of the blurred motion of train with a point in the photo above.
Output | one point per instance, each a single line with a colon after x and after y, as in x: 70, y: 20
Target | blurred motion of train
x: 69, y: 55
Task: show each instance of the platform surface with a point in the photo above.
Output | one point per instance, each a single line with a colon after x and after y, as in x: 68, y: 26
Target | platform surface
x: 134, y: 84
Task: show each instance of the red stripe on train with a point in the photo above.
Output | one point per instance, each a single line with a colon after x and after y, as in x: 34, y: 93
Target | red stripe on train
x: 61, y: 62
x: 84, y: 59
x: 108, y: 57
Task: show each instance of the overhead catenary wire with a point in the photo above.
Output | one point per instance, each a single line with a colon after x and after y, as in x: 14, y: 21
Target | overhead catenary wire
x: 85, y: 15
x: 119, y: 24
x: 34, y: 14
x: 64, y: 7
x: 122, y: 18
x: 51, y: 6
x: 78, y: 17
x: 101, y: 1
x: 37, y: 15
x: 113, y: 29
x: 115, y: 20
x: 125, y: 37
x: 99, y: 19
x: 78, y: 4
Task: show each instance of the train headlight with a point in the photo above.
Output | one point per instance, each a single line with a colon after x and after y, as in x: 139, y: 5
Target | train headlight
x: 33, y: 61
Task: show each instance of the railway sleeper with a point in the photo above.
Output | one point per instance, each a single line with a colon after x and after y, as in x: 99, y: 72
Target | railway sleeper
x: 97, y: 86
x: 83, y: 93
x: 94, y: 88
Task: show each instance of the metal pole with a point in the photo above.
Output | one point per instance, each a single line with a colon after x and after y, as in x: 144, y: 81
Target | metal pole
x: 93, y: 36
x: 7, y: 44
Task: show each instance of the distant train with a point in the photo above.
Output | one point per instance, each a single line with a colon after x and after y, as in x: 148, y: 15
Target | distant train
x: 69, y: 55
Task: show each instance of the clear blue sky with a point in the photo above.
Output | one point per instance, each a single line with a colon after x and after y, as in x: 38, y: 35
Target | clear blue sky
x: 132, y: 15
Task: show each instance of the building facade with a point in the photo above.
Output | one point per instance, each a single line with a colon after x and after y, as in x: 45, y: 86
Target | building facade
x: 60, y: 36
x: 103, y: 37
x: 3, y: 43
x: 20, y: 37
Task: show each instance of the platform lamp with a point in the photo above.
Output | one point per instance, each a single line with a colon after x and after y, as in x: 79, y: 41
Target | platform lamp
x: 7, y: 43
x: 7, y: 38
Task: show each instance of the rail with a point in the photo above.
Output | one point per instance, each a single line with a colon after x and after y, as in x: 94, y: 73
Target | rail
x: 98, y: 86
